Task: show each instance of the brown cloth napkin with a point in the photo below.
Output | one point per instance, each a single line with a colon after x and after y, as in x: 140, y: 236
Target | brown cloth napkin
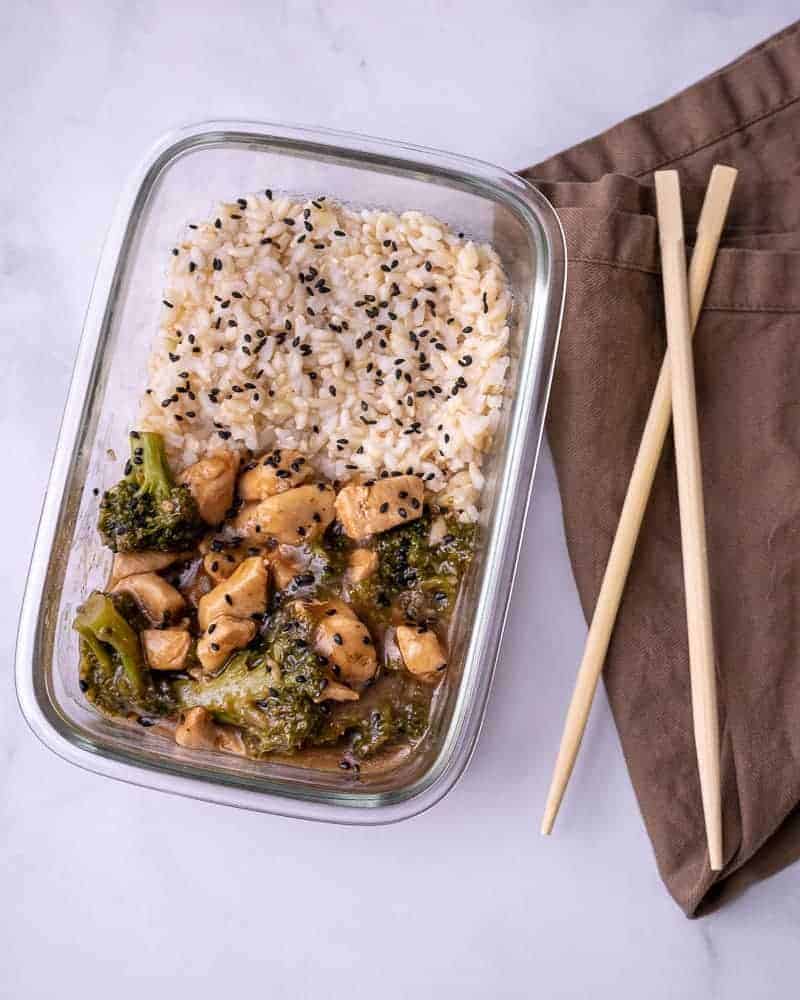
x: 747, y: 351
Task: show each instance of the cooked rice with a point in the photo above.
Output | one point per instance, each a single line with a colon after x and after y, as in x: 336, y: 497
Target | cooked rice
x: 368, y: 341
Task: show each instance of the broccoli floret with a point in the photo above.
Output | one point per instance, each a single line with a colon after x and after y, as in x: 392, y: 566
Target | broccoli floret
x: 114, y: 676
x: 267, y: 690
x: 421, y: 577
x: 288, y: 643
x: 395, y: 709
x: 106, y: 632
x: 250, y: 693
x: 113, y: 672
x: 146, y: 509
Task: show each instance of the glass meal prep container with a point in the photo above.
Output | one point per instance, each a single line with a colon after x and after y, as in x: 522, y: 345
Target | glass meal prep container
x: 182, y: 177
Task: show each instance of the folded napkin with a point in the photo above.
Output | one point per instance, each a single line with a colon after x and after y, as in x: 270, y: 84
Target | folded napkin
x: 748, y: 383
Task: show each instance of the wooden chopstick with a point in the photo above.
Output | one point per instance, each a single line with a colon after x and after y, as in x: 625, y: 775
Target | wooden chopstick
x: 709, y: 229
x: 702, y: 663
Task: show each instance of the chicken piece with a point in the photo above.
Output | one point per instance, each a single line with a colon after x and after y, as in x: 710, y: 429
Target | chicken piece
x: 222, y: 565
x: 222, y: 637
x: 368, y: 510
x: 294, y: 517
x: 317, y: 609
x: 285, y: 564
x: 334, y: 691
x: 159, y: 601
x: 361, y: 564
x: 240, y: 596
x: 212, y: 481
x: 132, y: 563
x: 197, y: 730
x: 421, y: 651
x: 166, y: 648
x: 277, y: 472
x: 196, y: 585
x: 221, y: 555
x: 345, y: 641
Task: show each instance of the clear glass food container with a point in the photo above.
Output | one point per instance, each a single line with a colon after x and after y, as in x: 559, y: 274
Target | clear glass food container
x: 182, y: 177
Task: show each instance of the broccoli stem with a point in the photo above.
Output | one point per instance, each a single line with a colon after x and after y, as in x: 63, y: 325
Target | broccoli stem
x: 237, y: 684
x: 149, y: 464
x: 98, y: 650
x: 100, y: 624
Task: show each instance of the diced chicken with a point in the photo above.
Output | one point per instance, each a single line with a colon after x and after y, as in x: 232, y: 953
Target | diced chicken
x: 297, y: 516
x: 222, y: 555
x: 222, y: 637
x: 222, y: 565
x: 361, y: 564
x: 345, y: 641
x: 334, y: 691
x: 132, y: 563
x: 367, y: 510
x: 240, y: 596
x: 277, y: 472
x: 318, y: 609
x: 212, y: 482
x: 421, y: 651
x: 166, y: 648
x: 198, y: 731
x: 196, y: 586
x: 159, y: 601
x: 285, y: 565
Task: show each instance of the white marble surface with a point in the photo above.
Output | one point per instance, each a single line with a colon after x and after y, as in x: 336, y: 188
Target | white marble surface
x: 109, y: 889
